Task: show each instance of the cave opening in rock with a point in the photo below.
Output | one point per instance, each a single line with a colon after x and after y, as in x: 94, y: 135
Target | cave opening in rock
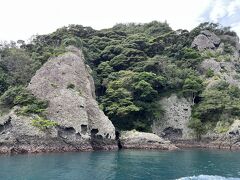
x: 172, y: 133
x: 66, y: 131
x: 69, y: 129
x: 98, y: 136
x: 94, y: 132
x: 83, y: 129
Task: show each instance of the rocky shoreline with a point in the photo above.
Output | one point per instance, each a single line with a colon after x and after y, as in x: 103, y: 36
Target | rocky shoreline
x: 34, y: 149
x: 31, y: 149
x: 24, y: 149
x: 141, y: 140
x: 57, y: 146
x: 128, y: 140
x: 193, y: 144
x: 65, y: 82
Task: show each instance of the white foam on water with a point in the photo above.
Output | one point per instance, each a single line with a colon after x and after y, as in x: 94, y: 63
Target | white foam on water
x: 207, y: 177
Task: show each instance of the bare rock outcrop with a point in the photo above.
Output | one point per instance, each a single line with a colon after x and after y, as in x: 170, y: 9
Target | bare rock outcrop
x: 234, y: 129
x: 65, y: 82
x: 225, y: 70
x: 206, y: 40
x: 141, y: 140
x: 18, y: 135
x: 174, y: 122
x: 234, y: 41
x: 229, y: 139
x: 232, y: 136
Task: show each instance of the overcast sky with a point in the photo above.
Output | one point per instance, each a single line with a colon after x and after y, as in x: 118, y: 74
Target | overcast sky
x: 20, y: 19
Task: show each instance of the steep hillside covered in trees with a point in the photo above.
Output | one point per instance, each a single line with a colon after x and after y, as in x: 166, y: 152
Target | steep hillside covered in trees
x: 134, y: 66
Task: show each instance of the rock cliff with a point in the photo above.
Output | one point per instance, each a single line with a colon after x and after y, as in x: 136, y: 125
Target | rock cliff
x: 173, y: 124
x: 65, y: 82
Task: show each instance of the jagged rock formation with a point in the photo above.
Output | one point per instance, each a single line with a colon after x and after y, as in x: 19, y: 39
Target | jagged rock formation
x: 206, y: 40
x: 235, y: 42
x: 227, y: 140
x: 66, y: 83
x: 231, y: 138
x: 225, y: 70
x: 140, y: 140
x: 174, y: 122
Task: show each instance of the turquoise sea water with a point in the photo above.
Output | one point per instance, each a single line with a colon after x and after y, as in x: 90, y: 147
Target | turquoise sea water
x: 123, y: 165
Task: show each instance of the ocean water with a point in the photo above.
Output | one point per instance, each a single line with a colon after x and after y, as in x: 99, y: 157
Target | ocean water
x: 123, y: 165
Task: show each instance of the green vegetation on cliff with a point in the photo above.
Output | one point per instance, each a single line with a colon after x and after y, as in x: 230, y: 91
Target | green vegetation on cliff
x: 20, y: 96
x: 134, y: 65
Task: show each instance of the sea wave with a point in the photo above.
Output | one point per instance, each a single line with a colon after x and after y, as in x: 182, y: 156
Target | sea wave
x: 207, y: 177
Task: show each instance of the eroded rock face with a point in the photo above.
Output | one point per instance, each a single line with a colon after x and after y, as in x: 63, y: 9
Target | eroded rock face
x: 215, y: 140
x: 235, y: 42
x: 225, y: 70
x: 65, y: 82
x: 173, y: 124
x: 234, y: 130
x: 17, y: 135
x: 140, y: 140
x: 206, y: 40
x: 229, y: 139
x: 212, y: 37
x: 210, y: 64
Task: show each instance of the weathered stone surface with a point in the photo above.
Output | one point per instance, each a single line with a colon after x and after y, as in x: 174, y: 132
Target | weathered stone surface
x: 206, y: 40
x: 230, y: 139
x: 17, y: 135
x: 234, y: 130
x: 212, y: 37
x: 65, y: 82
x: 201, y: 42
x: 140, y: 140
x: 210, y: 64
x: 225, y: 70
x: 174, y: 123
x: 215, y: 140
x: 71, y: 106
x: 234, y: 40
